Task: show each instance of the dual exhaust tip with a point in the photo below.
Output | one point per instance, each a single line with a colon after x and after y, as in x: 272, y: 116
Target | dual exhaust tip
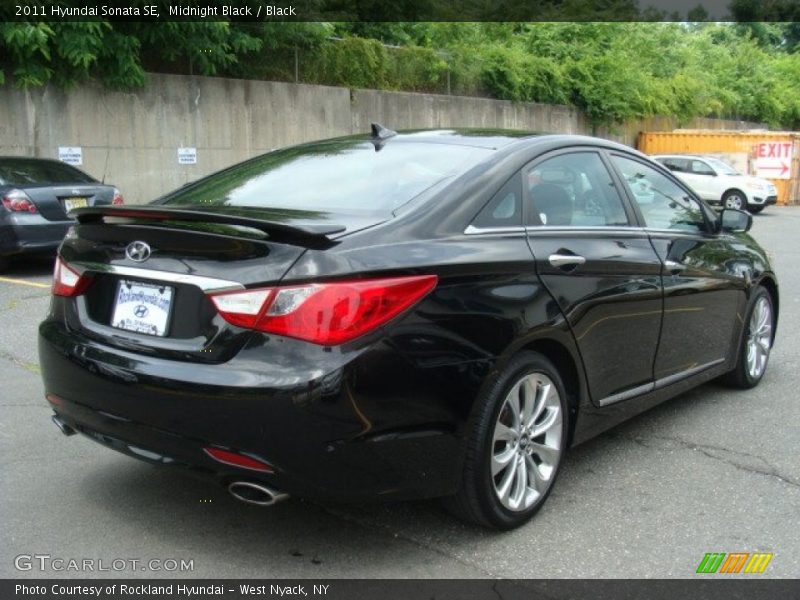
x: 255, y: 493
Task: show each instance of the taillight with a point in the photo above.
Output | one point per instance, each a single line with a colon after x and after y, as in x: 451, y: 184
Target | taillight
x: 18, y: 201
x: 117, y: 199
x: 67, y: 282
x: 242, y: 308
x: 324, y: 313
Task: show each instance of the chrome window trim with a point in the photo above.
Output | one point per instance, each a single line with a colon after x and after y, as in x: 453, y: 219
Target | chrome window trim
x: 630, y: 231
x: 207, y: 284
x: 472, y: 230
x: 655, y: 231
x: 553, y: 229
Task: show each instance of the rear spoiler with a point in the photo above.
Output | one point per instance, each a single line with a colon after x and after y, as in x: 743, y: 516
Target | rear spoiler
x: 312, y: 235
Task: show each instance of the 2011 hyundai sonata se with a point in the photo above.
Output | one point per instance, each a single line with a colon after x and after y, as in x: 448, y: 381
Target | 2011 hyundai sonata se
x: 437, y: 313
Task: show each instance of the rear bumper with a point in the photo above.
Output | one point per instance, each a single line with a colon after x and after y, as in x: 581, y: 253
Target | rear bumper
x: 337, y: 427
x: 30, y: 233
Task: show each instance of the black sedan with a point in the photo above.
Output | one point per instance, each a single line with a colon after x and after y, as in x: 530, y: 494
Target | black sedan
x: 426, y: 314
x: 36, y: 196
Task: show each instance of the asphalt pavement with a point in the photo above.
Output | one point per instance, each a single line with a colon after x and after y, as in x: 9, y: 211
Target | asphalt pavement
x: 714, y: 470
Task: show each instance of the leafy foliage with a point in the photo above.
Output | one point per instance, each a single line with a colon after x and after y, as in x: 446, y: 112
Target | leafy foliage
x: 68, y: 52
x: 613, y: 71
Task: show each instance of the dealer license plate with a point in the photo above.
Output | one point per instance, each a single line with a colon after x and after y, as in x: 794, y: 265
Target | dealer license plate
x: 142, y: 307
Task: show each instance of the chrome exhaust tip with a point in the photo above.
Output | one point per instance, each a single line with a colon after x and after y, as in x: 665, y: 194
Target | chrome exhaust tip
x: 255, y: 493
x: 65, y: 429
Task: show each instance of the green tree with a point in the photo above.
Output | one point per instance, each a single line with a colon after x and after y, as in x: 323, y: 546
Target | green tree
x: 68, y: 52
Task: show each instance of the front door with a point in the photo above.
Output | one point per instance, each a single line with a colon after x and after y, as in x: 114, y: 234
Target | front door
x: 702, y: 292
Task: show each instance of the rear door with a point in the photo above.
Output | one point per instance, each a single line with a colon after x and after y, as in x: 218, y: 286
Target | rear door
x: 703, y: 289
x: 603, y: 272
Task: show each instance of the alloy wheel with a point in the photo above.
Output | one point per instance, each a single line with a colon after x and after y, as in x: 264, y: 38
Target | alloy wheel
x: 759, y: 338
x: 734, y: 201
x: 527, y: 442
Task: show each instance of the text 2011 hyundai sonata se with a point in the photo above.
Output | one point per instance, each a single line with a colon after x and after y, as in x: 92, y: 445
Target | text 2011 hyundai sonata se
x: 438, y: 313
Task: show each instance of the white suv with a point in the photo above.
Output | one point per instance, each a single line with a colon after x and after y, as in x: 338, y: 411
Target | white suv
x: 719, y: 183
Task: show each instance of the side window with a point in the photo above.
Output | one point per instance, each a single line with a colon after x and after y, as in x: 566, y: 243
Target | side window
x: 664, y: 204
x: 573, y: 189
x: 682, y: 165
x: 676, y: 165
x: 505, y: 207
x: 701, y: 168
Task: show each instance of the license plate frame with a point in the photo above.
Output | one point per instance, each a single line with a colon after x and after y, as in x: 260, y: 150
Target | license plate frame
x: 73, y: 202
x: 143, y: 308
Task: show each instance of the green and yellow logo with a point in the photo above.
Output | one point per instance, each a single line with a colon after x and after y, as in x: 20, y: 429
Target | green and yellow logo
x: 734, y: 562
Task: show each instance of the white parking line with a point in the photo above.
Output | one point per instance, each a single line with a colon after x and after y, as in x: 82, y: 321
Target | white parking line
x: 23, y: 282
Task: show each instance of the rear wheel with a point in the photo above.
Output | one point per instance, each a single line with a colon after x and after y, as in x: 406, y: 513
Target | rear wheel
x: 734, y: 199
x: 515, y: 445
x: 753, y: 352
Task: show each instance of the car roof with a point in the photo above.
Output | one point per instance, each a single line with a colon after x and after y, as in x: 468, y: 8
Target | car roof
x: 679, y: 156
x: 497, y: 139
x: 484, y: 138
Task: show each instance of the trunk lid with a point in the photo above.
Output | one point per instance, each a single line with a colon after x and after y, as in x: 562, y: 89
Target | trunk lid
x: 191, y: 252
x: 55, y: 201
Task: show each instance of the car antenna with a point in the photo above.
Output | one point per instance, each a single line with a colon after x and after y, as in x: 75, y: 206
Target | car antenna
x: 105, y: 166
x: 380, y: 134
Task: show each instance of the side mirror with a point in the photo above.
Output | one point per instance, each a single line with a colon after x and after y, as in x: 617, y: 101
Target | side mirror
x: 735, y: 221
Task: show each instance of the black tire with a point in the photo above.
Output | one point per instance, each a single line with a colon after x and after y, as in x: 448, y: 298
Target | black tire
x: 735, y: 198
x: 755, y: 209
x: 3, y: 263
x: 477, y: 500
x: 740, y: 376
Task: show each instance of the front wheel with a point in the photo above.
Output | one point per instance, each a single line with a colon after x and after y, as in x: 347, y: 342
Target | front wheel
x: 515, y: 445
x: 753, y: 352
x: 734, y: 199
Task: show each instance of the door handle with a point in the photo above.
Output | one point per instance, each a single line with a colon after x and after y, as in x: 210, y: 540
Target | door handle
x: 673, y: 266
x: 566, y: 260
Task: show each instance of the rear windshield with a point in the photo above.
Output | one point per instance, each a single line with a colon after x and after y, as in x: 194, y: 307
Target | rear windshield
x: 22, y: 171
x: 341, y: 175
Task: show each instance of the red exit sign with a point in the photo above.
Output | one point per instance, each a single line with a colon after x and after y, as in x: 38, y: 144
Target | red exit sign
x: 774, y: 150
x: 773, y: 160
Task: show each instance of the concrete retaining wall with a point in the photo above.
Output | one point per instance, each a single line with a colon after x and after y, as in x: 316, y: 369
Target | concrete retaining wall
x: 132, y: 138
